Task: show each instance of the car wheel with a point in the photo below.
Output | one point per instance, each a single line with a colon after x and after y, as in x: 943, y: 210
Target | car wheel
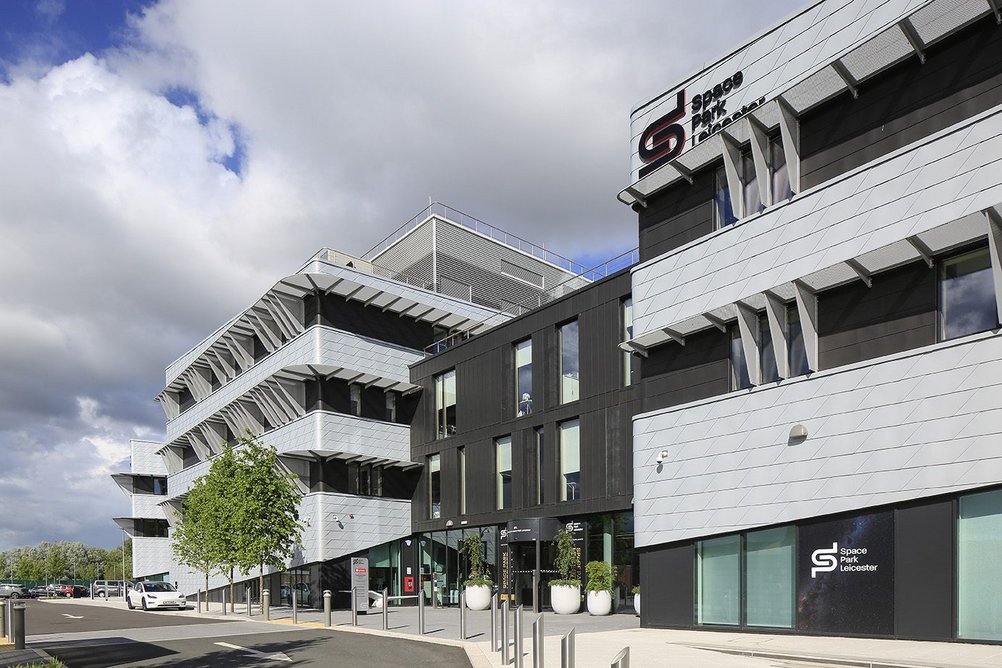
x: 144, y: 604
x: 102, y: 594
x: 14, y: 596
x: 128, y: 602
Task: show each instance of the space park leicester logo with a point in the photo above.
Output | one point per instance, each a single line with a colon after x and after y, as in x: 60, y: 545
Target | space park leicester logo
x: 846, y: 559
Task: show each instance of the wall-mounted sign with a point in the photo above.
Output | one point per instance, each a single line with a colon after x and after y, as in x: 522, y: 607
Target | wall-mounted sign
x: 845, y: 575
x: 685, y: 125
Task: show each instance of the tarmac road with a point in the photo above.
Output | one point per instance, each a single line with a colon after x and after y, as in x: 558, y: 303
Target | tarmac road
x: 92, y: 636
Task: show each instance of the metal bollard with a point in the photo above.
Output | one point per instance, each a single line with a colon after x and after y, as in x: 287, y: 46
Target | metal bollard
x: 247, y: 598
x: 327, y: 608
x: 537, y: 643
x: 518, y: 637
x: 3, y: 619
x: 386, y: 609
x: 420, y: 613
x: 354, y: 607
x: 505, y: 650
x: 266, y: 602
x: 494, y: 622
x: 567, y: 650
x: 17, y: 625
x: 295, y: 610
x: 462, y: 615
x: 198, y: 600
x: 223, y: 590
x: 622, y: 659
x: 434, y: 596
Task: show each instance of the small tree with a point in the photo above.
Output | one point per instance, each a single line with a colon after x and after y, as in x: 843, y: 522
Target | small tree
x: 472, y: 547
x: 193, y: 544
x: 567, y: 562
x: 267, y: 513
x: 599, y: 576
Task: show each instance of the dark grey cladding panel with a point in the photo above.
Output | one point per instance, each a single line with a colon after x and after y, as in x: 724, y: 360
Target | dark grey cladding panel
x: 666, y: 586
x: 961, y: 77
x: 923, y: 570
x: 676, y: 216
x: 370, y: 321
x: 898, y: 313
x: 675, y: 374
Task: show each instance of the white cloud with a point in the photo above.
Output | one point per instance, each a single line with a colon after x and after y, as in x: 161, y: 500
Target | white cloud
x: 127, y: 240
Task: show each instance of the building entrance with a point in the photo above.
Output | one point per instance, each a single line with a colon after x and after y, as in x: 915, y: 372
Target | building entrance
x: 528, y: 547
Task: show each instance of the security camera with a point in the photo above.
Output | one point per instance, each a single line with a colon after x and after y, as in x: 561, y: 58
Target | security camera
x: 663, y: 455
x: 337, y: 519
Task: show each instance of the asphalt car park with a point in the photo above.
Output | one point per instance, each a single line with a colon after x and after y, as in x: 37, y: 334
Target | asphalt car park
x: 45, y: 617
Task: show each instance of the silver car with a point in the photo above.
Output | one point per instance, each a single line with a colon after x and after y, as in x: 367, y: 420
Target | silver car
x: 14, y: 591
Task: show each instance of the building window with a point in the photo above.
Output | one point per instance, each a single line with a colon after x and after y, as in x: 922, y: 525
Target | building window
x: 966, y: 295
x: 782, y: 189
x: 445, y: 404
x: 630, y: 363
x: 365, y: 481
x: 739, y: 367
x: 766, y: 351
x: 770, y: 577
x: 536, y: 460
x: 752, y: 200
x: 461, y: 454
x: 523, y: 377
x: 502, y: 450
x: 718, y: 581
x: 570, y: 460
x: 795, y: 344
x: 434, y: 486
x: 723, y: 211
x: 355, y: 401
x: 979, y: 544
x: 160, y: 486
x: 391, y: 406
x: 569, y: 362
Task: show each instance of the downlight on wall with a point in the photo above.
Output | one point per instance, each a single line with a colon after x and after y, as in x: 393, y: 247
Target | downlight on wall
x: 798, y: 433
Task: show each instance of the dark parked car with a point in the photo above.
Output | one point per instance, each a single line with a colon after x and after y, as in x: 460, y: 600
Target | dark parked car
x: 13, y: 591
x: 38, y: 592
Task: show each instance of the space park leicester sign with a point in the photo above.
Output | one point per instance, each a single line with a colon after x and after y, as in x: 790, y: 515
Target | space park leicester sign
x: 845, y: 575
x: 690, y: 122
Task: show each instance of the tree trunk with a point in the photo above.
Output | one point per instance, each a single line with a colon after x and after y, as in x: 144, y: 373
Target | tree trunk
x: 233, y: 603
x: 206, y: 590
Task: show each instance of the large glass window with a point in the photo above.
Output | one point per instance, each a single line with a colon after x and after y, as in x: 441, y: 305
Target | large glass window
x: 781, y: 187
x: 569, y: 362
x: 766, y: 352
x: 723, y: 211
x: 570, y: 460
x: 749, y: 183
x: 718, y: 581
x: 445, y: 404
x: 979, y: 587
x: 629, y: 360
x: 523, y: 377
x: 739, y: 369
x: 769, y: 577
x: 966, y: 295
x: 355, y: 394
x: 795, y: 344
x: 434, y: 487
x: 461, y: 453
x: 502, y: 450
x: 391, y: 406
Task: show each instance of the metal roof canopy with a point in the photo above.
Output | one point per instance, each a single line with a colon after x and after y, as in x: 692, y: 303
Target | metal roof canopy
x: 321, y: 455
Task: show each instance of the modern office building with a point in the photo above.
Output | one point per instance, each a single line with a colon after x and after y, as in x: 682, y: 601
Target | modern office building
x: 318, y: 368
x: 818, y: 297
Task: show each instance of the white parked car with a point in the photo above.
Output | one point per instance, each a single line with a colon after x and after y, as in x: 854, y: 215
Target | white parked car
x: 148, y: 594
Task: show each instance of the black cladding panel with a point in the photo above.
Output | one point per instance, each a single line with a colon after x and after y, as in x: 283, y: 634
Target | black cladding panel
x: 666, y: 586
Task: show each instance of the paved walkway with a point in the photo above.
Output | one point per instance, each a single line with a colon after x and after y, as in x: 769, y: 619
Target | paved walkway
x: 599, y: 640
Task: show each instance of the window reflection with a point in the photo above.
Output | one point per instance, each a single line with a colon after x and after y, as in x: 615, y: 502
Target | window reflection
x: 569, y: 390
x: 523, y: 377
x: 967, y: 295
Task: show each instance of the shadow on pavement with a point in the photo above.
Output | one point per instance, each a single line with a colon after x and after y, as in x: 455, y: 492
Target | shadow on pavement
x: 102, y: 653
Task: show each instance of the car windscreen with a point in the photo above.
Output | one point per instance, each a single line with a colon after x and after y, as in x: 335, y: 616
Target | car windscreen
x: 158, y: 586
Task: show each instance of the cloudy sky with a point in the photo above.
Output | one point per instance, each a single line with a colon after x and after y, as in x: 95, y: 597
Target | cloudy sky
x: 165, y: 162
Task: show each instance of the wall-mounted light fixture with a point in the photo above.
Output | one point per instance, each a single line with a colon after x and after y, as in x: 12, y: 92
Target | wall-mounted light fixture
x: 798, y: 432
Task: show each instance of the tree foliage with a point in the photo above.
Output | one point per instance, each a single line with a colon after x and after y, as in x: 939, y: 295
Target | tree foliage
x: 64, y: 560
x: 243, y: 514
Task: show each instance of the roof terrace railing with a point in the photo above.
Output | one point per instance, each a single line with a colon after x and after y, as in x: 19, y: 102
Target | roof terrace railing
x: 607, y: 268
x: 468, y: 221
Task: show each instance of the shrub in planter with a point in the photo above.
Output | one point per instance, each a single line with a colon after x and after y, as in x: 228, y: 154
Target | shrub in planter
x: 599, y: 587
x: 565, y: 593
x: 478, y: 586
